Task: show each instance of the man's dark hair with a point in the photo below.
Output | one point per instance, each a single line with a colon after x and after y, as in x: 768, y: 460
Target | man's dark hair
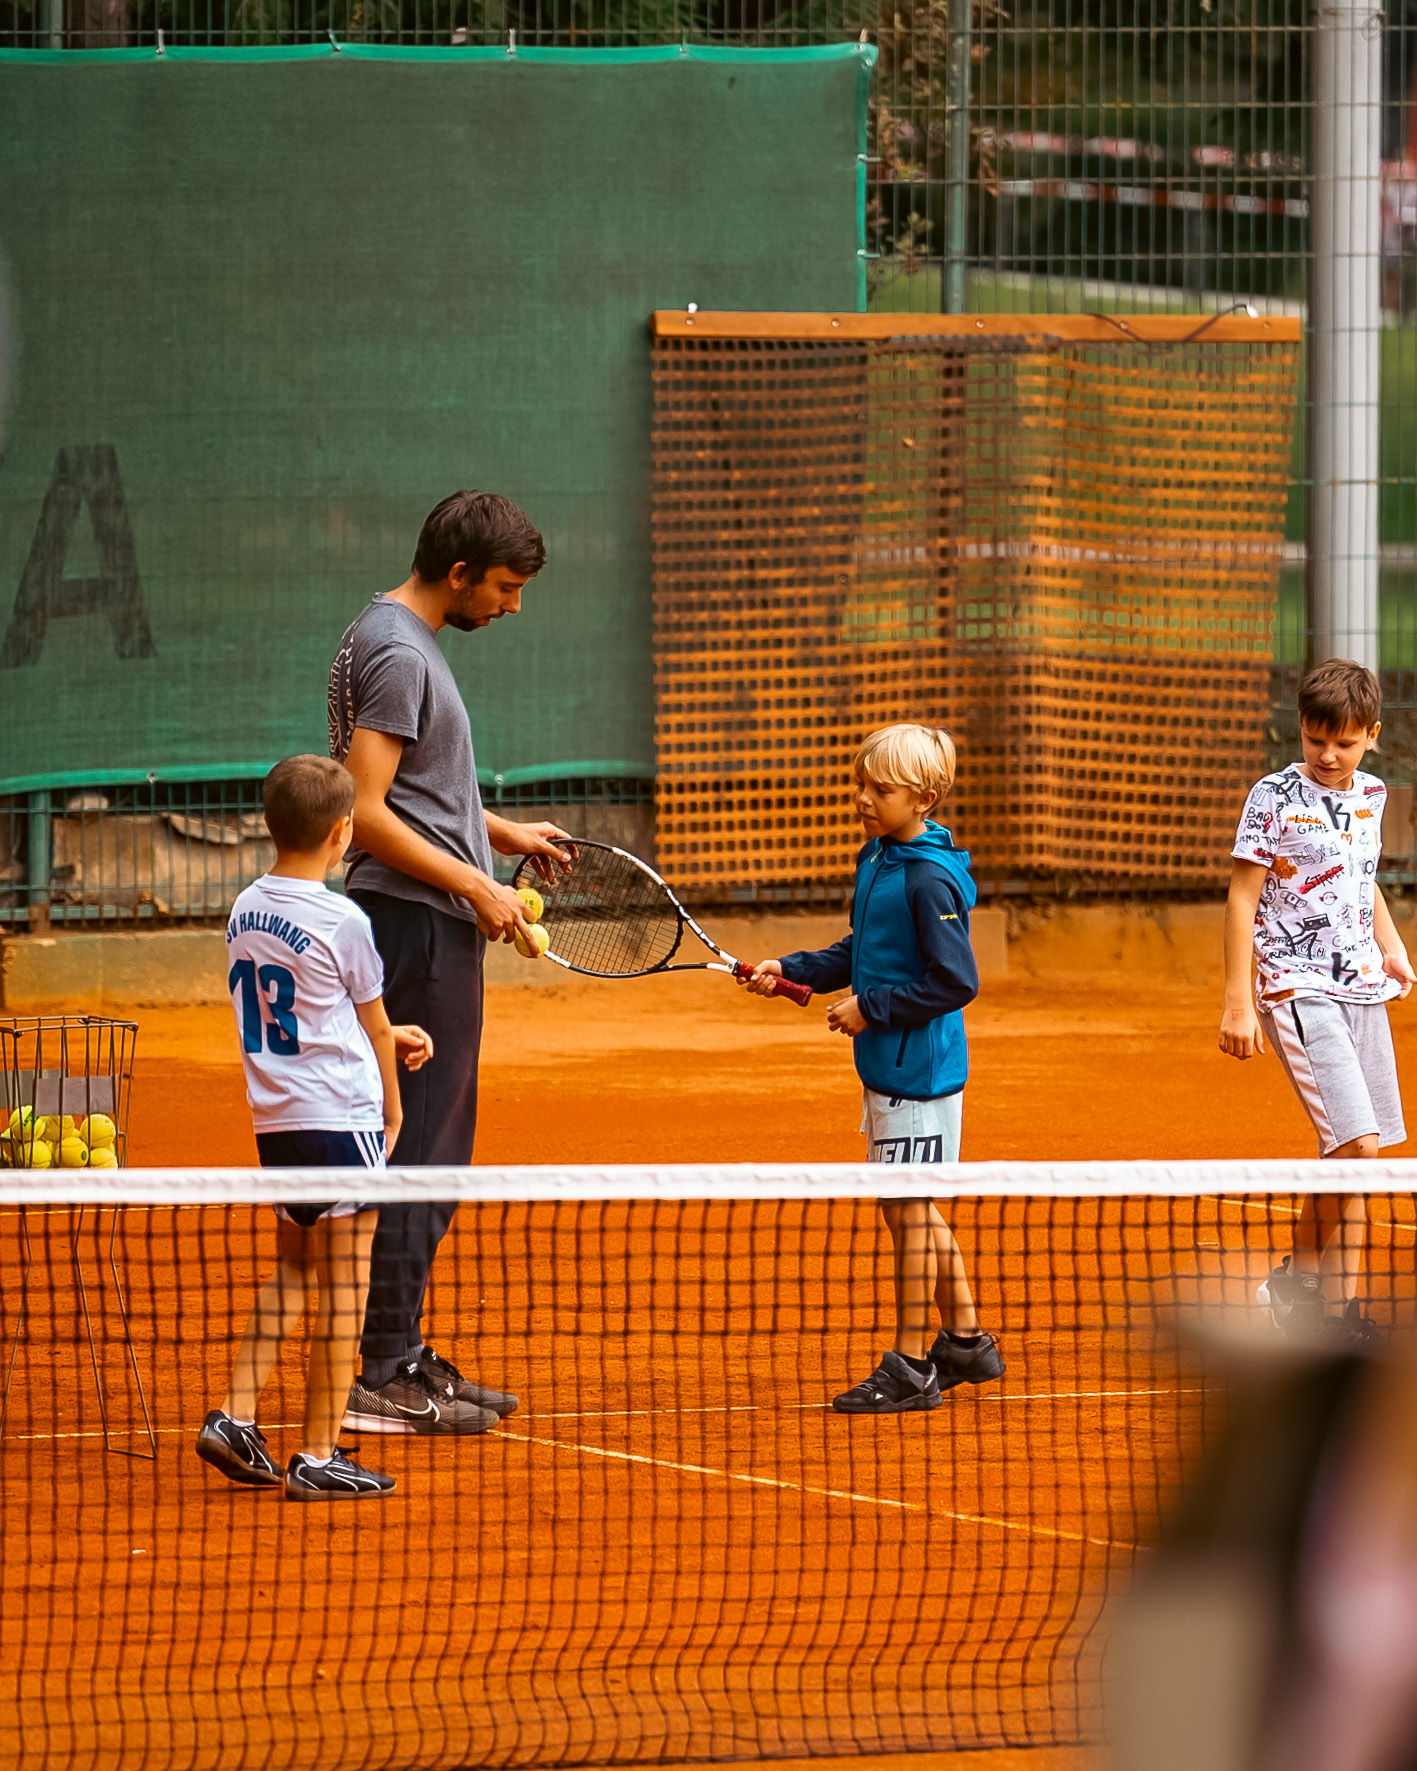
x: 1339, y: 694
x: 483, y: 530
x: 304, y: 798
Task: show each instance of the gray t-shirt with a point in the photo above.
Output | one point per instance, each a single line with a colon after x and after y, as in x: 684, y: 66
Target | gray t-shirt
x: 389, y: 676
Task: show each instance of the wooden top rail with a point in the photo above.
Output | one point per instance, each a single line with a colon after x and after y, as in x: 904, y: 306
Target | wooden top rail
x: 1075, y: 328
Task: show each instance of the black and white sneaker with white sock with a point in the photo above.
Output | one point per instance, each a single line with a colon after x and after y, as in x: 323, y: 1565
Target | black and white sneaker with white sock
x: 238, y: 1450
x: 336, y: 1478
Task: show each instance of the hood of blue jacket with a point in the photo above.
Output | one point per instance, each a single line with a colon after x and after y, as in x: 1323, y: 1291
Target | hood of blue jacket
x: 934, y: 844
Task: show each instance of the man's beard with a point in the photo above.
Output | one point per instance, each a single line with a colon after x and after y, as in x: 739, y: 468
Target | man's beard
x: 460, y: 619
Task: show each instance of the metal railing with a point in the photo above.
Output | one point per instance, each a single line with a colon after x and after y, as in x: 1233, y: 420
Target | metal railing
x: 170, y: 853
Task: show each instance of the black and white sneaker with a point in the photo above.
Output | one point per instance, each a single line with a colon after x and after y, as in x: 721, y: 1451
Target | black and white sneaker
x: 1295, y: 1301
x: 894, y: 1387
x: 238, y: 1451
x: 977, y: 1362
x: 339, y: 1479
x: 411, y: 1402
x: 463, y: 1389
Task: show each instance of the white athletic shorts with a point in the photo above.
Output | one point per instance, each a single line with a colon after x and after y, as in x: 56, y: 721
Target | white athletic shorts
x: 1339, y: 1057
x: 898, y: 1130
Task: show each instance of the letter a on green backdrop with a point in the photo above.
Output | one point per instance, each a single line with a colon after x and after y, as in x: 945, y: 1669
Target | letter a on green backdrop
x: 259, y: 310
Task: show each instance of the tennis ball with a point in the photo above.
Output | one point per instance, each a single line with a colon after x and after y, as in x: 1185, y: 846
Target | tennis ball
x: 97, y: 1131
x: 535, y: 904
x: 21, y: 1120
x: 532, y: 944
x: 7, y: 1151
x: 103, y: 1156
x: 55, y: 1127
x: 73, y: 1153
x: 36, y: 1155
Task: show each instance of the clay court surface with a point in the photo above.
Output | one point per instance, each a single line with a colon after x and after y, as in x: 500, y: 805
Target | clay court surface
x: 674, y: 1550
x: 690, y: 1069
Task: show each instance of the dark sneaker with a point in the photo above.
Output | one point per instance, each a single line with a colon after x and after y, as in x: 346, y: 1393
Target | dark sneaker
x: 978, y: 1363
x: 444, y: 1372
x: 1352, y: 1332
x: 892, y: 1388
x: 412, y: 1403
x: 1295, y: 1301
x: 340, y: 1479
x: 237, y: 1451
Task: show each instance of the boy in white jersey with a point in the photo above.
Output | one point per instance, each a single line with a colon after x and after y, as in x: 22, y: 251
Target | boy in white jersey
x: 319, y: 1054
x: 1304, y: 898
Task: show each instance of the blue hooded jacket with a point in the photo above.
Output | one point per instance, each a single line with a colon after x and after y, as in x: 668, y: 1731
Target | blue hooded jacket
x: 909, y: 962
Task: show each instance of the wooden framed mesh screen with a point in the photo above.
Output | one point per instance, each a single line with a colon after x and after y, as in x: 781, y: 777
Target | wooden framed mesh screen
x: 1061, y: 543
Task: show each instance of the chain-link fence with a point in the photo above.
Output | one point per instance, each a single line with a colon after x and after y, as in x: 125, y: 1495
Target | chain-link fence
x: 1054, y: 156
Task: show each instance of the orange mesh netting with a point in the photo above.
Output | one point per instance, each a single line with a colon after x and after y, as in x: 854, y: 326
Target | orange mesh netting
x: 1066, y: 549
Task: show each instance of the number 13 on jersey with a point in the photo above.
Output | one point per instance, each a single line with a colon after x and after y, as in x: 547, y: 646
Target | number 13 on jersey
x: 274, y: 987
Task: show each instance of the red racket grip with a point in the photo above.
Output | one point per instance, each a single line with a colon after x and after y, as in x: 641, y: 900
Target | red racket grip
x: 798, y: 993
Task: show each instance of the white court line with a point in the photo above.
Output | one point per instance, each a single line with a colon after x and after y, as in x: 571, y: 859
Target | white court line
x: 280, y: 1426
x: 812, y: 1407
x: 1294, y: 1211
x: 870, y: 1500
x: 291, y: 1426
x: 721, y: 1408
x: 1088, y: 1395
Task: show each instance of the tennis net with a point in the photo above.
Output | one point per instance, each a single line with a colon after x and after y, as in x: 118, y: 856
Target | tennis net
x: 674, y: 1549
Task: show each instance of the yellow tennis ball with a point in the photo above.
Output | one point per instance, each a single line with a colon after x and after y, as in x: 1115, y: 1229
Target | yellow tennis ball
x: 55, y: 1127
x: 36, y: 1155
x: 539, y: 939
x: 73, y: 1153
x: 535, y: 903
x: 21, y: 1120
x: 98, y: 1130
x: 7, y: 1150
x: 103, y: 1156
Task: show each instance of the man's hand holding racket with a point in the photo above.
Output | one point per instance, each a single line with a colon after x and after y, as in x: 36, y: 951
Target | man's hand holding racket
x: 551, y: 850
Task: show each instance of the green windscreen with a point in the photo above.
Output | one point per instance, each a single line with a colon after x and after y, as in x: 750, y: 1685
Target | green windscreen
x: 262, y: 309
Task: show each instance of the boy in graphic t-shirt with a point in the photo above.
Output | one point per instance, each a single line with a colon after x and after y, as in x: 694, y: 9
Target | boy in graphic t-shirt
x: 1304, y: 899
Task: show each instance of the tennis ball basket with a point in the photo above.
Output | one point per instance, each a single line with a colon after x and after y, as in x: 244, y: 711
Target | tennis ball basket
x: 66, y: 1082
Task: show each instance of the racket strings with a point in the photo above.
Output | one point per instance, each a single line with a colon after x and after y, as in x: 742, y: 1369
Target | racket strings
x: 609, y: 917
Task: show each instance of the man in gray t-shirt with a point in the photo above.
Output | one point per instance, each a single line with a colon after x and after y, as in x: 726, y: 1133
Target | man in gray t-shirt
x: 421, y: 869
x: 390, y: 669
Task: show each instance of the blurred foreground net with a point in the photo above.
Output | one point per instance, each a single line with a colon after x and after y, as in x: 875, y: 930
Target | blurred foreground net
x: 1059, y: 537
x: 674, y: 1549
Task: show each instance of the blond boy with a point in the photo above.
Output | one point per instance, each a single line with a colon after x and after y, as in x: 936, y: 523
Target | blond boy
x: 910, y: 968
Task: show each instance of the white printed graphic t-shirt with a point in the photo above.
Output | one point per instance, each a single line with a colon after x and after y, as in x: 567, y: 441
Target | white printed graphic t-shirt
x: 299, y: 958
x: 1314, y: 922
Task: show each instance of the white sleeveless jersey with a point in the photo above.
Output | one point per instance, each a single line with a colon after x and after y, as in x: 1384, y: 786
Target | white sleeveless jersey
x: 299, y: 958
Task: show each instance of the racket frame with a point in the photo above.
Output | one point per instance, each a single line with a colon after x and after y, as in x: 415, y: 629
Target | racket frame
x: 526, y: 875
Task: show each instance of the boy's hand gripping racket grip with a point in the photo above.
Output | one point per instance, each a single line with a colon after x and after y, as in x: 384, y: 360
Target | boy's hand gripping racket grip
x: 798, y: 993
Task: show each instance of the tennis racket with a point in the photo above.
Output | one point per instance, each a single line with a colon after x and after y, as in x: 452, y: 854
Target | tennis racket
x: 612, y: 916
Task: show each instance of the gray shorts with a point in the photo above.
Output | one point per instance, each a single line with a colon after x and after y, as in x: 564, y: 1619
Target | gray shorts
x: 911, y: 1131
x: 1339, y: 1057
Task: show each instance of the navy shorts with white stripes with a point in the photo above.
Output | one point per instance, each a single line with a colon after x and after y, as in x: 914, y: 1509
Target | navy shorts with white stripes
x: 320, y: 1149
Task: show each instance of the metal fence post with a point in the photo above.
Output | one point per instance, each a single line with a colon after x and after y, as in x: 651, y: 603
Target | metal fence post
x: 1345, y: 331
x: 957, y: 95
x: 40, y: 837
